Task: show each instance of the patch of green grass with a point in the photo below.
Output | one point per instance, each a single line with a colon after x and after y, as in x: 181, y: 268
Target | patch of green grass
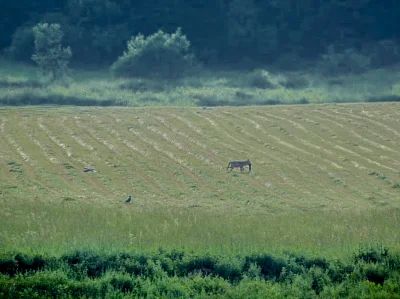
x: 15, y: 167
x: 51, y: 228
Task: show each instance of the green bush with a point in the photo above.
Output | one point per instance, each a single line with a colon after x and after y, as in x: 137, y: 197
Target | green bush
x: 373, y: 273
x: 49, y: 55
x: 263, y: 79
x: 160, y: 55
x: 143, y: 85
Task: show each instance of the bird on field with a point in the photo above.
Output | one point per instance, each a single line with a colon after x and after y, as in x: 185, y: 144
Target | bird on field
x: 129, y: 199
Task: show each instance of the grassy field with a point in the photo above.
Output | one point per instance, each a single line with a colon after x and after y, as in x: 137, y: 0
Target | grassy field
x: 317, y: 217
x: 325, y: 178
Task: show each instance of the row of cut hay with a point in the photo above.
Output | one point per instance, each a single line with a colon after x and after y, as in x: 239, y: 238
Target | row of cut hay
x: 316, y: 160
x: 109, y: 156
x: 367, y: 116
x: 138, y: 160
x: 44, y: 150
x: 356, y: 124
x: 326, y: 117
x: 262, y: 143
x: 250, y: 150
x: 324, y: 135
x: 232, y: 151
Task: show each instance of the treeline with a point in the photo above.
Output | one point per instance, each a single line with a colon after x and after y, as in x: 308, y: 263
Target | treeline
x: 220, y: 31
x: 373, y: 273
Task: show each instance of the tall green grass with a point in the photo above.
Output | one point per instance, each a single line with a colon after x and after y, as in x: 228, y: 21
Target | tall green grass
x: 57, y: 227
x: 21, y: 85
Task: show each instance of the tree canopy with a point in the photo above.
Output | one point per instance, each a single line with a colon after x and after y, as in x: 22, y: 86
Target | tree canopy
x: 220, y: 31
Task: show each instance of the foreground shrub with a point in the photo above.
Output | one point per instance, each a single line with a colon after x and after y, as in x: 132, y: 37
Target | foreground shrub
x: 160, y: 55
x: 373, y: 273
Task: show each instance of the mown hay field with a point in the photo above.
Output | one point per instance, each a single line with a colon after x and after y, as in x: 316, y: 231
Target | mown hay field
x: 324, y: 177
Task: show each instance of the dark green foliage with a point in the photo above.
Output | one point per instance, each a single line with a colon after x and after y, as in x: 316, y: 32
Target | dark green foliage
x: 303, y: 101
x: 270, y: 268
x: 92, y: 266
x: 21, y: 264
x: 8, y: 266
x: 372, y: 254
x: 174, y: 274
x: 5, y: 82
x: 30, y: 98
x: 309, y: 263
x: 204, y: 265
x: 261, y: 79
x: 243, y: 96
x: 348, y: 61
x: 376, y: 275
x: 141, y: 85
x: 295, y: 83
x: 49, y: 55
x: 147, y: 99
x: 15, y: 167
x: 160, y: 55
x: 241, y: 99
x: 389, y: 98
x: 221, y: 31
x: 22, y: 44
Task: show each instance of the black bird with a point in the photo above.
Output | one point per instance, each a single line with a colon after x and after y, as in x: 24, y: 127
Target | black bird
x: 129, y: 199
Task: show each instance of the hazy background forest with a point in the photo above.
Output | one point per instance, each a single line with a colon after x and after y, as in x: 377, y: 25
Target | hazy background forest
x: 228, y: 52
x: 221, y: 32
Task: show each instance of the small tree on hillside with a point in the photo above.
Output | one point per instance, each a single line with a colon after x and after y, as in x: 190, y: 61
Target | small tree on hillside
x: 159, y: 55
x: 49, y: 55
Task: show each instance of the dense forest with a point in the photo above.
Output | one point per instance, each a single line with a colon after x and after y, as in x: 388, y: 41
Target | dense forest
x: 220, y: 31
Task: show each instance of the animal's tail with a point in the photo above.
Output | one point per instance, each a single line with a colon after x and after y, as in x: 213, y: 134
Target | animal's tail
x: 229, y: 164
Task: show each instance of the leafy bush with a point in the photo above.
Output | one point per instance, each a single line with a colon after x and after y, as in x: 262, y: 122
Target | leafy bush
x: 371, y: 254
x: 263, y: 79
x: 374, y: 273
x: 160, y: 55
x: 51, y: 58
x: 295, y: 82
x: 142, y: 85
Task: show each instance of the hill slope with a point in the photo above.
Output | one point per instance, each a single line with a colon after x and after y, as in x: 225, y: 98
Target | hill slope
x: 304, y: 157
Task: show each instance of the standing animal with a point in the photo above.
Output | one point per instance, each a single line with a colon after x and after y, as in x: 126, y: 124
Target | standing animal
x: 129, y: 199
x: 240, y: 164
